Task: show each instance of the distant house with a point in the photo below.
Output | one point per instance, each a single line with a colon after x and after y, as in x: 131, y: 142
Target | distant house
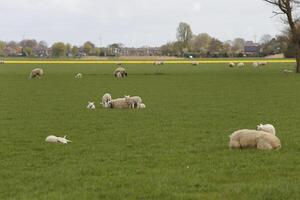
x: 252, y: 49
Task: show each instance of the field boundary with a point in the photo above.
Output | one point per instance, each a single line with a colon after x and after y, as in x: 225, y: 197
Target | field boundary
x: 142, y: 62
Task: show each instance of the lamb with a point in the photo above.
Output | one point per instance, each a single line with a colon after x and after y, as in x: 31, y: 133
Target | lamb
x: 54, y: 139
x: 36, y: 73
x: 106, y: 98
x: 159, y: 63
x: 117, y: 103
x: 120, y: 70
x: 142, y: 106
x: 240, y: 64
x: 269, y: 128
x: 79, y: 75
x: 91, y: 105
x: 133, y: 102
x: 261, y: 140
x: 231, y: 64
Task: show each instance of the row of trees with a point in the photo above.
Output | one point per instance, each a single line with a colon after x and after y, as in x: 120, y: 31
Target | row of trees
x: 204, y: 45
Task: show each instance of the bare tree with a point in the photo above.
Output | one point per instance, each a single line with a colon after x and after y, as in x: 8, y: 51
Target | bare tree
x: 287, y: 8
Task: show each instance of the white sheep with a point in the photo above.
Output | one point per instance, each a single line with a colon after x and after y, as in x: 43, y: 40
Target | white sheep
x: 142, y: 106
x: 55, y: 139
x: 195, y: 63
x: 231, y: 64
x: 91, y: 105
x: 120, y: 71
x: 1, y: 61
x: 159, y: 63
x: 36, y: 73
x: 79, y: 75
x: 133, y: 102
x: 269, y: 128
x: 106, y: 98
x: 262, y: 63
x: 254, y: 139
x: 255, y: 64
x: 241, y: 64
x: 117, y: 103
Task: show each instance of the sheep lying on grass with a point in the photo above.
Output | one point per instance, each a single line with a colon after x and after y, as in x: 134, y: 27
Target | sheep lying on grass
x: 36, y: 73
x: 142, y: 106
x: 262, y: 140
x: 269, y: 128
x: 106, y: 98
x: 91, y: 105
x: 120, y: 72
x: 54, y: 139
x: 241, y: 64
x: 159, y: 63
x: 117, y: 103
x: 79, y: 75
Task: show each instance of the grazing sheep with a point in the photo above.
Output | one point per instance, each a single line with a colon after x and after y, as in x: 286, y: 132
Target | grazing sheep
x: 287, y: 71
x: 106, y: 98
x: 269, y: 128
x: 91, y: 105
x: 231, y: 64
x: 245, y: 138
x: 240, y: 64
x: 1, y: 61
x: 120, y: 71
x: 117, y: 103
x: 195, y: 63
x: 79, y: 75
x: 36, y: 73
x: 133, y: 102
x: 262, y: 63
x: 159, y: 63
x: 54, y: 139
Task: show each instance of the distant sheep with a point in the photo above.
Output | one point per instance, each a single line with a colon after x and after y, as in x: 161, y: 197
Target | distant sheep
x: 1, y: 61
x: 245, y: 138
x: 120, y: 72
x: 142, y: 106
x: 231, y: 64
x: 255, y: 64
x: 159, y: 63
x: 241, y: 64
x: 91, y: 105
x: 133, y: 102
x: 79, y: 75
x: 262, y: 63
x: 117, y: 103
x: 269, y: 128
x: 55, y: 139
x: 36, y: 73
x: 195, y: 63
x: 106, y: 98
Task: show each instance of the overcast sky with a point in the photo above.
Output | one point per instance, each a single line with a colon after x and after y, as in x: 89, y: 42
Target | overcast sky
x: 133, y: 22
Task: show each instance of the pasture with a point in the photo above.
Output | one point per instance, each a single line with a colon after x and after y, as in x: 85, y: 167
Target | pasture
x: 176, y: 148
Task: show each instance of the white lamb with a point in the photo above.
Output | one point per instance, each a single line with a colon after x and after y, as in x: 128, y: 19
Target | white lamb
x: 133, y: 102
x: 106, y: 98
x: 231, y: 64
x: 245, y: 138
x: 117, y: 103
x: 269, y: 128
x: 142, y: 106
x: 91, y: 105
x: 36, y: 73
x: 240, y: 64
x: 79, y: 75
x: 54, y: 139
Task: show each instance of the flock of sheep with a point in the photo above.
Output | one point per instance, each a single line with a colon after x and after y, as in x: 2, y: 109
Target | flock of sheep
x: 241, y: 64
x: 263, y: 138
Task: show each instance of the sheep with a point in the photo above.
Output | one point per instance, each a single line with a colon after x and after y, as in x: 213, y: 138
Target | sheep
x: 254, y: 139
x: 117, y: 103
x: 195, y: 63
x: 269, y: 128
x: 159, y: 63
x: 231, y: 64
x: 141, y: 106
x: 255, y: 64
x: 1, y: 61
x: 241, y: 64
x: 262, y: 63
x: 287, y: 71
x: 106, y: 98
x: 54, y: 139
x: 79, y: 75
x: 133, y: 102
x: 91, y: 105
x: 120, y: 70
x: 36, y: 73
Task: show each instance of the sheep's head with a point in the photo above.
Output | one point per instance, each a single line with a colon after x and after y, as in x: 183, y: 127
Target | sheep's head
x: 269, y: 128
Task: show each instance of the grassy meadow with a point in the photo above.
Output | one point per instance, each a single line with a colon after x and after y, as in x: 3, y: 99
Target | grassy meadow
x: 175, y: 149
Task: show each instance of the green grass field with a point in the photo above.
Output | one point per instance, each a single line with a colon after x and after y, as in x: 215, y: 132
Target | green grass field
x: 175, y: 149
